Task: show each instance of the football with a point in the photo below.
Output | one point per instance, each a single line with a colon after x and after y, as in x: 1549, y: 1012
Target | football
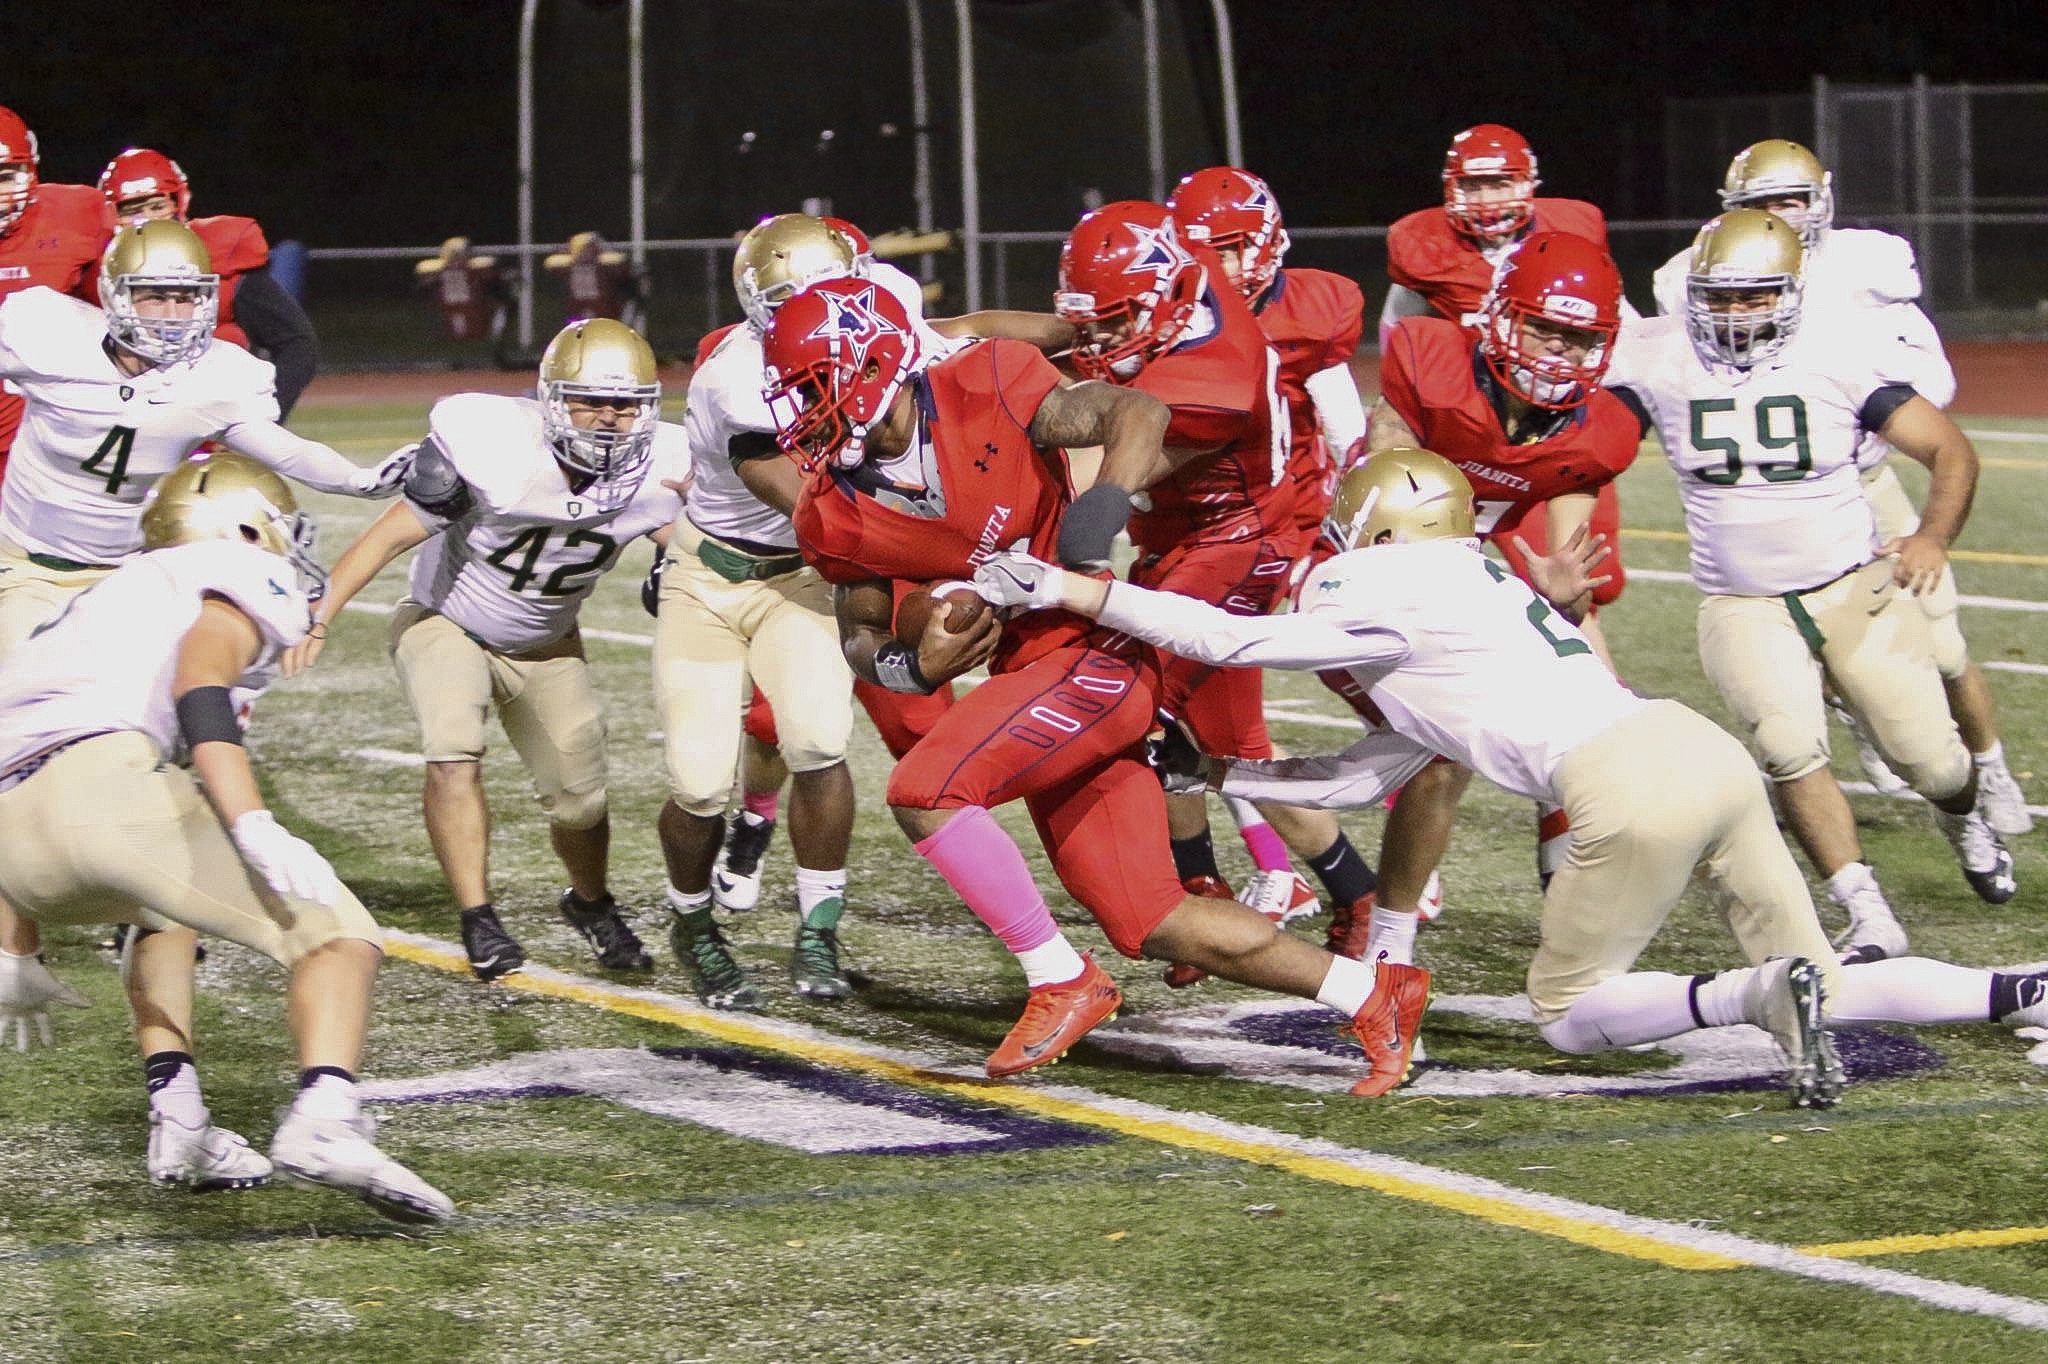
x: 963, y: 609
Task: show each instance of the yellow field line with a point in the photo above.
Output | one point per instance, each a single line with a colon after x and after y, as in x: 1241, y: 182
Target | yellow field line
x: 1165, y: 1132
x: 1975, y: 556
x: 1918, y: 1245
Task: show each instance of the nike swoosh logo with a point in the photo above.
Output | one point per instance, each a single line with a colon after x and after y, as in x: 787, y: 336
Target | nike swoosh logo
x: 724, y: 882
x: 487, y: 962
x: 1033, y: 1053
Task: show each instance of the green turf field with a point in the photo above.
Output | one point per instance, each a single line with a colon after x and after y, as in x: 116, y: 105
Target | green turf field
x: 642, y: 1180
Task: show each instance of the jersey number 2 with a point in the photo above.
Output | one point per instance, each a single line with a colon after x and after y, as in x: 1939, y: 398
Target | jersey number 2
x: 120, y: 442
x: 1730, y: 449
x: 1539, y: 614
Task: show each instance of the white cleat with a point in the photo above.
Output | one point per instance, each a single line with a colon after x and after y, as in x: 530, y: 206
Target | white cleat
x: 1282, y: 896
x: 1787, y: 1000
x: 338, y: 1153
x: 2000, y: 800
x: 736, y: 876
x: 202, y: 1158
x: 1874, y: 932
x: 1986, y: 865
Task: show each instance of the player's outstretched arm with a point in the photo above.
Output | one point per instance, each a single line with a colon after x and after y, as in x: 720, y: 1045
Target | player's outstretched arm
x: 390, y: 535
x: 1043, y: 330
x: 313, y: 464
x: 218, y: 649
x: 1131, y: 429
x: 1362, y: 775
x: 1922, y: 431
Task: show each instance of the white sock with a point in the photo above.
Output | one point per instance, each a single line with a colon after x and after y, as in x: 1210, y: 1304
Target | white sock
x: 1721, y: 1001
x: 1991, y: 757
x: 685, y: 904
x: 180, y: 1100
x: 813, y: 888
x: 1851, y: 878
x: 329, y: 1096
x: 1392, y: 931
x: 1347, y: 985
x: 1052, y: 962
x: 1625, y: 1011
x: 1909, y: 990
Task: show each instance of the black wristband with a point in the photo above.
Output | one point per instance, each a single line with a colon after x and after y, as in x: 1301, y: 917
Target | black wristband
x: 206, y: 715
x: 896, y: 669
x: 1089, y: 529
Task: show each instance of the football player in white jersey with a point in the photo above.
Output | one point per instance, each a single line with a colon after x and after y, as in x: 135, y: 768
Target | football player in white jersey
x: 521, y: 504
x: 1863, y: 277
x: 1761, y: 412
x: 117, y: 397
x: 100, y: 825
x: 1464, y: 660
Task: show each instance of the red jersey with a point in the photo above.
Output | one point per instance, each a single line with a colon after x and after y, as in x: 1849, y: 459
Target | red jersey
x: 236, y: 246
x: 1313, y: 318
x: 1222, y: 383
x: 55, y: 244
x: 1426, y: 254
x: 986, y: 487
x: 710, y: 343
x: 1432, y: 374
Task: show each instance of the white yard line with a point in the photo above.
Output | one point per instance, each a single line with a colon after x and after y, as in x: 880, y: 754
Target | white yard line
x: 2008, y: 437
x: 1665, y: 575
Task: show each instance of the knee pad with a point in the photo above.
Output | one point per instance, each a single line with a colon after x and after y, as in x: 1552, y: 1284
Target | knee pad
x: 1788, y: 748
x: 1936, y: 770
x: 583, y: 808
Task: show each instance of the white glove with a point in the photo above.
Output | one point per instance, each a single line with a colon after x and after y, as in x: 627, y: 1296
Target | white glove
x: 27, y: 989
x: 1014, y: 578
x: 383, y: 479
x: 293, y: 867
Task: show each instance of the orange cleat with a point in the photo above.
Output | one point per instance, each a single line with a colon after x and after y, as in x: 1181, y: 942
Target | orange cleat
x: 1350, y: 927
x: 1055, y: 1018
x: 1388, y: 1024
x: 1179, y: 975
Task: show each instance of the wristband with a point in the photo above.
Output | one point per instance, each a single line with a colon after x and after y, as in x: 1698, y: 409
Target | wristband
x: 206, y: 715
x: 896, y: 669
x: 317, y: 630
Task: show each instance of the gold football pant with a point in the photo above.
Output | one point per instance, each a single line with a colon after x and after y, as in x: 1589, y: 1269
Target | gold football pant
x: 1896, y: 516
x: 32, y: 593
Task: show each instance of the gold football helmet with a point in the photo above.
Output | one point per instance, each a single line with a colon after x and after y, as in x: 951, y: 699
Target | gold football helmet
x: 226, y: 496
x: 780, y: 255
x: 167, y: 262
x: 1403, y: 496
x: 600, y: 400
x: 1737, y: 259
x: 1777, y: 169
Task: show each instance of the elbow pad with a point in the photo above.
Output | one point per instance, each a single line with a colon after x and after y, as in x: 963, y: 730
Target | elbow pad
x: 1091, y: 525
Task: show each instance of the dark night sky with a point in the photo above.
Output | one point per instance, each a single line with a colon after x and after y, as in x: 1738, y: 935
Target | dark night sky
x: 363, y: 123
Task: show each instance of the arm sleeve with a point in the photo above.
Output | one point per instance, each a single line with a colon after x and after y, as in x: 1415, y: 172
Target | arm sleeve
x: 1339, y: 410
x: 279, y: 327
x: 1361, y: 775
x: 1879, y: 406
x: 1209, y: 634
x: 1402, y: 301
x: 304, y: 461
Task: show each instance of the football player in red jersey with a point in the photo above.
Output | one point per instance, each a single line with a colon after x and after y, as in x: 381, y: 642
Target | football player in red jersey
x: 1442, y: 262
x: 1522, y: 413
x: 1313, y: 319
x: 255, y: 311
x: 920, y: 476
x: 50, y: 235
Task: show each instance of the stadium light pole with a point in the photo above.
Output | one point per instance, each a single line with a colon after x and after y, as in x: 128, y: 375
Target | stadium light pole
x: 636, y: 129
x: 970, y: 170
x: 1226, y: 63
x: 529, y: 14
x: 1155, y: 120
x: 920, y: 131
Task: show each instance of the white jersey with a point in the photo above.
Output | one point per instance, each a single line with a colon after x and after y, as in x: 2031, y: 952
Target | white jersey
x: 1858, y: 277
x: 518, y: 548
x: 1458, y: 654
x: 106, y: 662
x: 93, y: 440
x: 1766, y: 457
x: 727, y: 422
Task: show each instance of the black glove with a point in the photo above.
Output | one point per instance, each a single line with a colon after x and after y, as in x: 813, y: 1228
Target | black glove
x: 1090, y: 527
x: 650, y: 591
x: 1175, y: 759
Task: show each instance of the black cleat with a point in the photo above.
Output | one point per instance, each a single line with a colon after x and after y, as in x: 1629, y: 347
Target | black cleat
x: 492, y: 951
x: 616, y: 944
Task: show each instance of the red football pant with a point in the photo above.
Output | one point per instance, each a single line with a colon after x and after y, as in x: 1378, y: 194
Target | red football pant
x: 1534, y: 526
x: 901, y: 718
x: 1063, y: 735
x: 1225, y: 707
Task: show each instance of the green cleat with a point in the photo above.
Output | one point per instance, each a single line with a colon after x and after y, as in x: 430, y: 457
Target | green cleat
x: 814, y: 965
x: 700, y: 945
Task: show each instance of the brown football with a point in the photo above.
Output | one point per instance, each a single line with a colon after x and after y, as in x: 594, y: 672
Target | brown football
x: 963, y: 609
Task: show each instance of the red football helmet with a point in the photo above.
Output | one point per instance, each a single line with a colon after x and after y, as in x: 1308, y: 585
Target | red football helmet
x: 1231, y: 210
x: 1566, y: 291
x: 1491, y: 152
x: 139, y: 173
x: 18, y: 162
x: 837, y: 352
x: 863, y: 249
x: 1128, y: 285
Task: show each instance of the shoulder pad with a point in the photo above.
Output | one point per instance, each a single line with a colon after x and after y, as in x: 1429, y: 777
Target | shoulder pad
x: 493, y: 442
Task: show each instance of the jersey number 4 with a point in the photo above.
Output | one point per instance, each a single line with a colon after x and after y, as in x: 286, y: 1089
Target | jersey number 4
x: 1539, y: 614
x: 118, y: 445
x: 1768, y: 436
x: 567, y: 579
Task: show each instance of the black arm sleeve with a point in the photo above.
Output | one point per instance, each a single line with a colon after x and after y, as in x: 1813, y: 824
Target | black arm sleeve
x: 433, y: 485
x: 1633, y: 403
x: 1878, y: 407
x: 742, y: 446
x: 278, y: 327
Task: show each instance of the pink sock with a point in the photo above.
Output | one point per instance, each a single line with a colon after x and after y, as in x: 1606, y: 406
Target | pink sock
x: 1268, y: 852
x: 984, y: 867
x: 763, y: 804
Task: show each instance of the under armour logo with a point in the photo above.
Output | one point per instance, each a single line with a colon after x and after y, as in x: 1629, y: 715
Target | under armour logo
x: 991, y: 450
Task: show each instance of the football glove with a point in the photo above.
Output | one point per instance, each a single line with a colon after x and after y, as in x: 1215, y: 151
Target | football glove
x: 293, y: 867
x: 383, y: 479
x: 27, y: 990
x: 1014, y: 578
x: 650, y: 591
x: 1176, y: 761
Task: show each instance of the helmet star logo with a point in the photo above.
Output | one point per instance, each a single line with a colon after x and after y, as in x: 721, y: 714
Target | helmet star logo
x: 1159, y: 251
x: 853, y: 322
